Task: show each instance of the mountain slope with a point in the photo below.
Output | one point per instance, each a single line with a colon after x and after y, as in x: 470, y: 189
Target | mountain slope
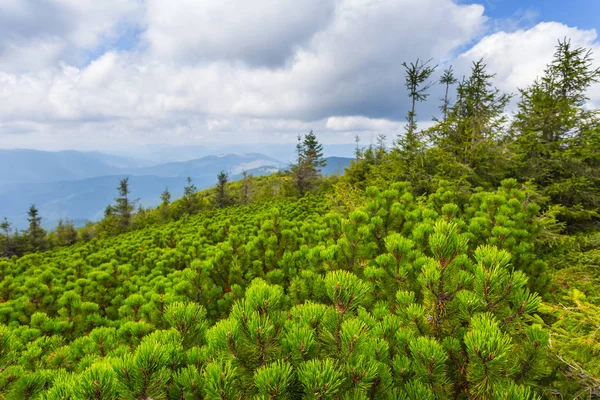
x: 33, y: 166
x: 336, y: 165
x: 209, y: 166
x: 279, y: 279
x: 58, y: 192
x: 80, y: 200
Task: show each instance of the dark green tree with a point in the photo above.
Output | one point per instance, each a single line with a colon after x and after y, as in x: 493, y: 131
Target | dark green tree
x: 557, y: 138
x: 408, y: 155
x: 165, y: 202
x: 64, y: 234
x: 5, y: 245
x: 358, y: 150
x: 190, y: 201
x: 246, y: 186
x: 222, y: 196
x: 447, y: 79
x: 417, y: 76
x: 36, y: 235
x: 469, y: 143
x: 309, y: 162
x: 124, y: 207
x: 313, y: 152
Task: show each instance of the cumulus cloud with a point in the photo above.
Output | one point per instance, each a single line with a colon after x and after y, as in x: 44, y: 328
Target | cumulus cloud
x: 359, y: 123
x: 39, y: 34
x: 238, y: 71
x: 519, y: 57
x: 261, y: 33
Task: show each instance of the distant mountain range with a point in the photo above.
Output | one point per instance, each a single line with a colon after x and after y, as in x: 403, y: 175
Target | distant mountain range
x: 285, y: 152
x: 79, y: 185
x: 209, y: 166
x: 33, y: 166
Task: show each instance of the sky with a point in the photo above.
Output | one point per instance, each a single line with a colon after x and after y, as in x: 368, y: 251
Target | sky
x: 118, y: 74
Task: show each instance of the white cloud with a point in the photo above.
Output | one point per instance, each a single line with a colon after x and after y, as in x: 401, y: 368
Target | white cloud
x: 359, y: 124
x: 263, y: 32
x: 36, y: 34
x: 218, y: 125
x: 518, y: 57
x: 238, y: 71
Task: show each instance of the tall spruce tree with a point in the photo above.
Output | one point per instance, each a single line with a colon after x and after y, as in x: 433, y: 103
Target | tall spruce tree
x: 6, y: 245
x: 36, y: 235
x: 222, y: 197
x: 190, y: 202
x: 557, y: 138
x: 309, y: 162
x: 64, y: 234
x: 410, y: 148
x: 418, y: 84
x: 313, y: 152
x: 124, y: 206
x: 447, y: 79
x: 246, y: 187
x: 165, y: 202
x: 469, y: 146
x: 358, y: 150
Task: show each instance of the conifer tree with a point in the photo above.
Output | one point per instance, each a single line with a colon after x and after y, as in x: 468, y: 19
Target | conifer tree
x: 246, y: 186
x: 380, y: 150
x: 222, y: 197
x: 383, y: 292
x: 313, y: 152
x: 556, y: 136
x: 124, y: 207
x: 309, y: 162
x: 447, y: 79
x: 64, y: 234
x: 190, y: 202
x: 469, y: 142
x: 410, y: 147
x: 417, y: 76
x: 358, y: 151
x: 35, y: 233
x: 165, y: 202
x: 5, y: 244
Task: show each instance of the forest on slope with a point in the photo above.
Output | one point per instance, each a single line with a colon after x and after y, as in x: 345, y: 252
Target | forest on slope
x: 462, y: 263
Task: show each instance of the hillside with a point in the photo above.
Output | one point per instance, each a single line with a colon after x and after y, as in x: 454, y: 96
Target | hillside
x: 53, y: 181
x: 207, y: 167
x: 32, y: 166
x: 461, y: 263
x: 85, y: 199
x: 275, y: 282
x: 336, y: 165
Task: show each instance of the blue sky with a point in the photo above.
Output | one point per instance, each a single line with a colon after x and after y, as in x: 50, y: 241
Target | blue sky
x: 507, y: 14
x: 115, y: 74
x: 584, y: 14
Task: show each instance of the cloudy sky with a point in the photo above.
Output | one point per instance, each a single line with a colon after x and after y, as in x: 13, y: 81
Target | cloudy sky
x: 110, y: 74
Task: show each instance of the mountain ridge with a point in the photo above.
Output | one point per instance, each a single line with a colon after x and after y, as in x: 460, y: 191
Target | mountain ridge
x: 85, y: 198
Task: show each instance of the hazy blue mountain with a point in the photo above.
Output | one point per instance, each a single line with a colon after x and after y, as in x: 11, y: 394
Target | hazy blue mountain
x: 52, y: 181
x: 79, y: 200
x: 260, y: 171
x: 285, y: 152
x: 79, y: 185
x: 209, y: 166
x: 336, y: 165
x: 33, y: 166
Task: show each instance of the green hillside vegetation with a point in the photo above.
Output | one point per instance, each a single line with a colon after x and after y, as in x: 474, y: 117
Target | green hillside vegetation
x: 462, y: 263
